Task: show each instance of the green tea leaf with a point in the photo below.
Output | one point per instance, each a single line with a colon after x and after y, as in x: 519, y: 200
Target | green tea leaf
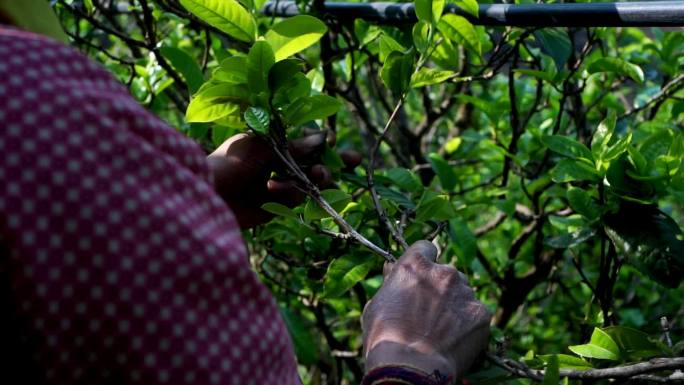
x: 186, y: 65
x: 570, y: 170
x: 226, y: 15
x: 566, y: 146
x: 635, y: 344
x: 279, y: 209
x: 305, y: 344
x: 464, y: 241
x: 555, y: 43
x: 232, y: 70
x: 618, y: 66
x: 311, y: 108
x: 656, y: 144
x: 650, y: 239
x: 338, y: 199
x: 257, y: 119
x: 459, y: 29
x: 429, y: 10
x: 283, y: 71
x: 424, y: 10
x: 405, y: 179
x: 430, y: 76
x: 617, y: 149
x: 345, y: 272
x: 445, y: 172
x: 291, y: 89
x: 396, y: 72
x: 601, y: 346
x: 552, y: 373
x: 583, y: 203
x: 420, y: 33
x: 259, y: 61
x: 215, y: 101
x: 389, y: 45
x: 601, y: 138
x: 294, y: 35
x: 566, y: 361
x: 437, y: 208
x: 470, y: 6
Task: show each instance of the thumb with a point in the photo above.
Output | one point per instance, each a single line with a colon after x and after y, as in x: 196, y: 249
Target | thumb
x: 421, y: 253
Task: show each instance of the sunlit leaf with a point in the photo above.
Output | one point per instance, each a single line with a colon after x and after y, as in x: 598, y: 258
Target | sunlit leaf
x: 226, y: 15
x: 601, y: 346
x: 470, y: 6
x: 310, y: 108
x: 259, y: 61
x: 429, y: 76
x: 232, y: 70
x: 459, y: 29
x: 215, y: 101
x: 396, y: 72
x: 294, y: 35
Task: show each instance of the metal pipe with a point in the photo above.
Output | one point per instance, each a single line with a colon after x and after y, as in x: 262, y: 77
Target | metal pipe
x: 625, y: 14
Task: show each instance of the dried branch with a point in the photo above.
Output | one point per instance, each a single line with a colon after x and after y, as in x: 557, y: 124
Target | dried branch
x: 520, y: 369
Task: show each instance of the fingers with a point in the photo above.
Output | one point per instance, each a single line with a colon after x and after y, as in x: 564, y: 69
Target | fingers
x: 308, y: 149
x: 285, y: 192
x: 320, y: 175
x: 351, y: 158
x: 245, y: 147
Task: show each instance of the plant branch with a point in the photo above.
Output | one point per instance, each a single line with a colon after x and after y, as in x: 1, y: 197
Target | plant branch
x: 668, y: 89
x: 520, y: 369
x: 370, y: 171
x: 312, y: 190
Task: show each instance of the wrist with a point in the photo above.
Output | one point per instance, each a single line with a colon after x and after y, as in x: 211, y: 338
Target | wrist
x: 417, y: 357
x: 402, y: 375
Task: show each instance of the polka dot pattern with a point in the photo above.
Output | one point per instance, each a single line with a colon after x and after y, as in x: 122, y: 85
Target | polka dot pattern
x: 118, y: 262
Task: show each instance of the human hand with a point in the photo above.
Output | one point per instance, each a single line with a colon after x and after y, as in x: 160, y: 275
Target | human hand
x: 243, y: 165
x: 425, y: 316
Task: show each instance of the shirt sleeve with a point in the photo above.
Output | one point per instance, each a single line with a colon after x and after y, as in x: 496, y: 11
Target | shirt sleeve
x: 118, y: 262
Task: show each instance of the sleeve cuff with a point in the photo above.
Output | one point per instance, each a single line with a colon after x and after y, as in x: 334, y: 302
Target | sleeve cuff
x: 404, y: 375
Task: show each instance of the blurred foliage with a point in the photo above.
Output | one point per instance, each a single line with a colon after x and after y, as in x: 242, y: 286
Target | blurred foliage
x: 547, y: 163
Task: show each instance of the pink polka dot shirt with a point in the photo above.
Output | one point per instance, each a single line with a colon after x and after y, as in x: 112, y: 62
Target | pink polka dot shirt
x: 118, y: 262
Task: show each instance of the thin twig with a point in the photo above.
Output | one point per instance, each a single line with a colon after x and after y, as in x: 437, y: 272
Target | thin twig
x: 312, y: 190
x: 671, y: 87
x: 370, y: 171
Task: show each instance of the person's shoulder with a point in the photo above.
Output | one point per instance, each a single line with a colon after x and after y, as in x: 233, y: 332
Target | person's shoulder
x: 46, y: 66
